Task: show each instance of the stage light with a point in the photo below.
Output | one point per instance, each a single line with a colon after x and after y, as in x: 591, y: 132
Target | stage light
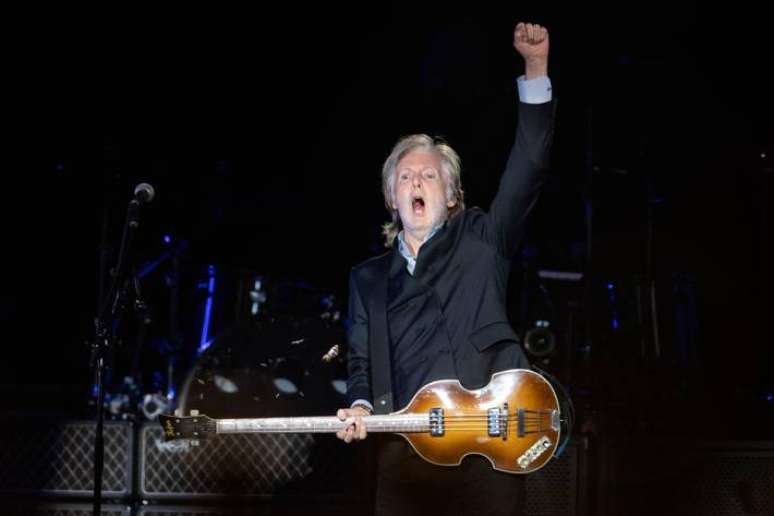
x: 339, y: 386
x: 285, y: 386
x: 225, y: 384
x: 153, y: 404
x: 257, y: 296
x: 288, y: 376
x: 204, y: 343
x: 614, y: 316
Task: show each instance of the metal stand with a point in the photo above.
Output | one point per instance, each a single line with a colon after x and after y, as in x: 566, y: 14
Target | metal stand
x: 106, y: 330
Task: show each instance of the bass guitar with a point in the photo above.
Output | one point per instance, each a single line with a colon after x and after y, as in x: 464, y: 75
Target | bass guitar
x: 514, y: 421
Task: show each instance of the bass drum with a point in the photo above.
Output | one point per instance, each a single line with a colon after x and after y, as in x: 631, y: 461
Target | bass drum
x: 281, y: 367
x: 270, y: 369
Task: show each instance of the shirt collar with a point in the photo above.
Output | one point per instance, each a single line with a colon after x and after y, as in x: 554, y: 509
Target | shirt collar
x: 403, y: 247
x: 405, y: 251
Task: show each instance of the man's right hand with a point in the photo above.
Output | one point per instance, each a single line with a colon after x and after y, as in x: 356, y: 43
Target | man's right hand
x: 356, y: 428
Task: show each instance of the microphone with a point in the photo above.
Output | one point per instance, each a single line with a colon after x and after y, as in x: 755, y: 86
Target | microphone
x: 143, y: 193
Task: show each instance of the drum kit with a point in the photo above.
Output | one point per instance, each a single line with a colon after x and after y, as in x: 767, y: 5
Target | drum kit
x: 277, y: 349
x: 283, y: 366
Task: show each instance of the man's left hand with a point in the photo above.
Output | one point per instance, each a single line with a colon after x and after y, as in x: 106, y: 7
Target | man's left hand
x: 531, y: 41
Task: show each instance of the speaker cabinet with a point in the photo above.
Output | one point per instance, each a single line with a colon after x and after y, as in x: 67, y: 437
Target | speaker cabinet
x: 40, y: 456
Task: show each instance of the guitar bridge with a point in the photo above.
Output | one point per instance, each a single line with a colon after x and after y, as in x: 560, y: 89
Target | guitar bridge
x: 437, y: 427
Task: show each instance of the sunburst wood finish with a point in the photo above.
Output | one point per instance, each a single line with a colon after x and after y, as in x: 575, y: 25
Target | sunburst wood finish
x: 513, y: 421
x: 465, y: 418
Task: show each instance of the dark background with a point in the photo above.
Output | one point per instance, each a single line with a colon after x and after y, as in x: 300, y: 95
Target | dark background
x: 264, y: 134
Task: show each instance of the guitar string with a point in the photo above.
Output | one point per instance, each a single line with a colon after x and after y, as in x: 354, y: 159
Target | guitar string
x: 423, y: 419
x: 460, y: 420
x: 511, y: 417
x: 531, y: 420
x: 528, y: 426
x: 459, y: 423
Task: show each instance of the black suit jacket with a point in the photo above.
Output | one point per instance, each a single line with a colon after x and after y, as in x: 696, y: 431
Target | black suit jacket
x: 465, y: 266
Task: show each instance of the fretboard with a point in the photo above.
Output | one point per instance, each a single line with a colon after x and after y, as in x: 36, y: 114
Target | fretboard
x: 390, y: 423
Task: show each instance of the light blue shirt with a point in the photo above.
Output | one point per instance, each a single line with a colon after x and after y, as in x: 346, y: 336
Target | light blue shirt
x: 534, y: 91
x: 405, y: 251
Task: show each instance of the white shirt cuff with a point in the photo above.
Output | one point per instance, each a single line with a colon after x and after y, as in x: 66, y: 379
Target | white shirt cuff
x: 365, y: 403
x: 534, y: 91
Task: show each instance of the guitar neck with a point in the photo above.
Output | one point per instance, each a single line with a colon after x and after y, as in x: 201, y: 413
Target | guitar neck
x: 324, y: 424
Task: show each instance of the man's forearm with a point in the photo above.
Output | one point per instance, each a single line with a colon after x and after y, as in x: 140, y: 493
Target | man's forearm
x: 534, y: 68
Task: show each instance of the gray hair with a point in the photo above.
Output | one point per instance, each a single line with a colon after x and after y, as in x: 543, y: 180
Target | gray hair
x: 452, y: 169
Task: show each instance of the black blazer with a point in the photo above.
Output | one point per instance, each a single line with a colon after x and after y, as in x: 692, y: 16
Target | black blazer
x: 466, y: 264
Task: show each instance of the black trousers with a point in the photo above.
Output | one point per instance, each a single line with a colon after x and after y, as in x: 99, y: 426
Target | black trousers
x: 408, y: 485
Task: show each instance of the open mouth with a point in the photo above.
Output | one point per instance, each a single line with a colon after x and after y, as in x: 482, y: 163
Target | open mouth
x: 418, y: 205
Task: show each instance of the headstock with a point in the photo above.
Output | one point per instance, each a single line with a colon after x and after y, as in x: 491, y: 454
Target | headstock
x: 195, y: 426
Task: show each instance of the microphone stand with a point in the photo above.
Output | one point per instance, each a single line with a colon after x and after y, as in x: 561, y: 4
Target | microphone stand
x: 106, y: 330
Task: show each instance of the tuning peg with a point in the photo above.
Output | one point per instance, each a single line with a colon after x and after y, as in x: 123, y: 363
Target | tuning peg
x: 178, y: 412
x: 194, y: 412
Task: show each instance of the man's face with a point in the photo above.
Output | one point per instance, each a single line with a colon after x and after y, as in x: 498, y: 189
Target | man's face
x: 419, y: 191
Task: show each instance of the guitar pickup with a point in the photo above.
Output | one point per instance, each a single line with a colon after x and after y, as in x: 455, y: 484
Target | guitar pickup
x: 437, y: 426
x: 497, y: 422
x: 493, y: 422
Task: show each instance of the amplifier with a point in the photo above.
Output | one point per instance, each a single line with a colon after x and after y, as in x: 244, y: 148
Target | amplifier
x: 560, y: 487
x: 40, y: 456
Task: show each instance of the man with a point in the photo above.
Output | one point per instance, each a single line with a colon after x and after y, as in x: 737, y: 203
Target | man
x: 433, y: 307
